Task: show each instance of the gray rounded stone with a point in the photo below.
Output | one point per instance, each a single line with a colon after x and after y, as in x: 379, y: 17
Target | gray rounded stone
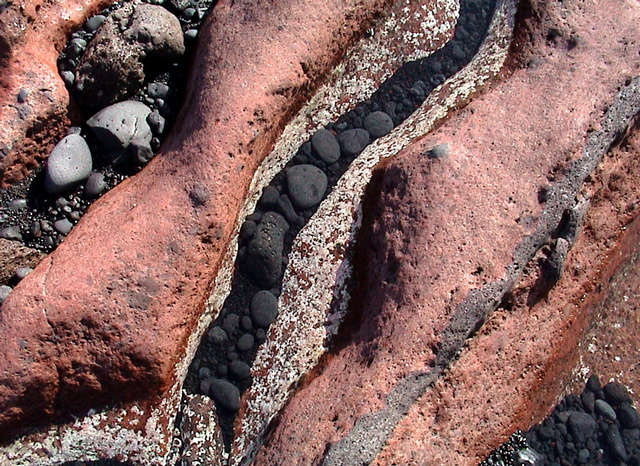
x: 239, y: 370
x: 63, y: 226
x: 325, y: 145
x: 225, y: 394
x: 217, y: 335
x: 263, y: 261
x: 4, y: 292
x: 306, y: 184
x: 156, y: 122
x: 191, y: 34
x: 18, y: 204
x: 123, y: 124
x: 378, y: 124
x: 264, y: 307
x: 95, y: 184
x: 94, y: 23
x: 245, y: 342
x: 352, y: 141
x: 68, y: 77
x: 605, y: 410
x: 157, y: 30
x: 158, y: 90
x: 68, y: 164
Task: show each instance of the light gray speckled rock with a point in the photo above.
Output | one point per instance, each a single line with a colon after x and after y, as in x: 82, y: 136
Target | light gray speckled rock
x: 120, y: 125
x: 69, y: 163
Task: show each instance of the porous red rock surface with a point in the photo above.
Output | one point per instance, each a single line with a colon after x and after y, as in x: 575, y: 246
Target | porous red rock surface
x: 31, y: 34
x: 85, y: 329
x: 443, y: 228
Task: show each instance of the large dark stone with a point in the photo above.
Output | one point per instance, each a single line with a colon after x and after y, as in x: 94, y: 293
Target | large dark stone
x: 307, y: 185
x: 353, y: 141
x: 325, y: 145
x: 264, y: 254
x: 225, y: 394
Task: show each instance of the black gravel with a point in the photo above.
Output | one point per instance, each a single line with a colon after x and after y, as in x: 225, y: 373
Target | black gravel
x: 600, y: 426
x: 293, y: 196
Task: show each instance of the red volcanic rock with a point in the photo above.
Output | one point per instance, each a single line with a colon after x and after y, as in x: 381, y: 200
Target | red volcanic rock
x: 107, y: 315
x: 442, y: 239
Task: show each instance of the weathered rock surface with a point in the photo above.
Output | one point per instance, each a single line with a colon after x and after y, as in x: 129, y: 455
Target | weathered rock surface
x: 438, y: 247
x: 115, y: 326
x: 31, y: 33
x: 131, y: 36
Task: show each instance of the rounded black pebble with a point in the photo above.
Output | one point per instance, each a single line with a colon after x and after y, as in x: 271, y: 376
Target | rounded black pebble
x: 245, y: 342
x: 269, y: 198
x: 593, y: 383
x: 325, y: 145
x: 603, y: 408
x: 264, y: 307
x: 246, y: 324
x: 581, y: 425
x: 378, y: 124
x: 307, y: 185
x: 230, y: 323
x: 352, y: 141
x: 217, y: 335
x: 614, y: 440
x: 225, y: 393
x: 616, y: 393
x: 239, y: 370
x: 629, y: 417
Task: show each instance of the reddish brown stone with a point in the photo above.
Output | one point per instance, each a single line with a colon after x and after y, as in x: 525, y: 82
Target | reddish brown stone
x: 441, y: 229
x: 107, y: 315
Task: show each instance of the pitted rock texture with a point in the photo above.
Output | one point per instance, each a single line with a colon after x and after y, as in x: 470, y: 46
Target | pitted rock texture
x: 426, y: 256
x: 114, y: 327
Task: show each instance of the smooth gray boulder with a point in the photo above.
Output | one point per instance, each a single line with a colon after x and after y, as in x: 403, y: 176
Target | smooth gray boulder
x: 157, y: 30
x: 123, y: 124
x: 68, y: 164
x: 306, y: 184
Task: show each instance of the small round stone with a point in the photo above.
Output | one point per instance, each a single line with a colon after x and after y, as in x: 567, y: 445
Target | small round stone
x: 605, y: 409
x: 230, y: 323
x: 156, y: 122
x: 188, y: 13
x: 217, y: 335
x: 78, y: 45
x: 95, y: 184
x: 191, y: 34
x: 269, y: 198
x: 36, y: 230
x: 18, y: 204
x: 12, y: 233
x: 68, y: 77
x: 158, y: 90
x: 616, y: 393
x: 68, y: 164
x: 378, y: 124
x: 239, y: 370
x: 4, y: 292
x: 94, y: 23
x: 246, y: 323
x: 439, y: 151
x: 225, y: 394
x: 352, y: 141
x: 264, y: 307
x: 63, y: 226
x: 325, y: 145
x: 245, y: 342
x: 204, y: 372
x: 22, y: 272
x: 306, y: 184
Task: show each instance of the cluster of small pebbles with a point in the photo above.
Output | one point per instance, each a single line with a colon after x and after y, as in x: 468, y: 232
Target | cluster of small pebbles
x: 598, y: 427
x: 126, y: 68
x: 222, y: 364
